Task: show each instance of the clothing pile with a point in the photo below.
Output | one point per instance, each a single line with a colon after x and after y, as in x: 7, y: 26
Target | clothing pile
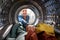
x: 31, y: 35
x: 46, y: 28
x: 41, y: 32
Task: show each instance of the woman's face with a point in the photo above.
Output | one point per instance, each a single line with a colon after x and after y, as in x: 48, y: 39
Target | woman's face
x: 24, y: 11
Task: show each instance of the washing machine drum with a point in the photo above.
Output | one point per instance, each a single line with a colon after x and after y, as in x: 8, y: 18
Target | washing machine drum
x: 12, y: 11
x: 33, y: 11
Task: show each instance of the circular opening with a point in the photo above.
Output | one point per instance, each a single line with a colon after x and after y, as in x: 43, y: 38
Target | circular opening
x: 28, y: 15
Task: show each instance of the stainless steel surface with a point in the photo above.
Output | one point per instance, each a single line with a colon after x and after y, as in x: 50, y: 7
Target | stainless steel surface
x: 7, y: 30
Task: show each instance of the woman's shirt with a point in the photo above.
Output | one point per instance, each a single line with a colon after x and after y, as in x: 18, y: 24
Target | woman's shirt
x: 20, y: 19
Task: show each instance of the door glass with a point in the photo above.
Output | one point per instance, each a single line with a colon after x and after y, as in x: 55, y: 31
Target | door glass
x: 28, y: 15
